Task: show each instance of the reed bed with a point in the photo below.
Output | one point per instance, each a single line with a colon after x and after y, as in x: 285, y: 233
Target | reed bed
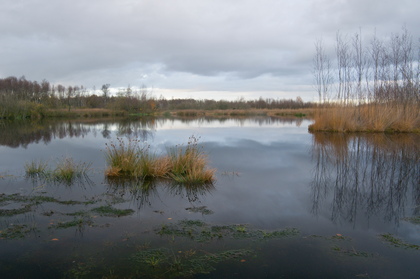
x: 183, y: 165
x: 368, y: 118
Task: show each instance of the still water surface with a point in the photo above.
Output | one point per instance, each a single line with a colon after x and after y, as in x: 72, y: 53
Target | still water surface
x: 338, y: 192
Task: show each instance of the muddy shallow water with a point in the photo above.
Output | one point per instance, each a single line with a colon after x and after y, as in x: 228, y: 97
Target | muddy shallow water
x: 285, y: 203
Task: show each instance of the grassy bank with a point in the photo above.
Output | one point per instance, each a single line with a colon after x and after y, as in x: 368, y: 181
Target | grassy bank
x: 367, y: 118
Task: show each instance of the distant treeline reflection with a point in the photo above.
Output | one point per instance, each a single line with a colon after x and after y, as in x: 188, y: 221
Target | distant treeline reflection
x: 22, y: 133
x: 374, y: 175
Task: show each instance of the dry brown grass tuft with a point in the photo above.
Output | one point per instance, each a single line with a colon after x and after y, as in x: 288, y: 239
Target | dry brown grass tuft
x: 185, y: 165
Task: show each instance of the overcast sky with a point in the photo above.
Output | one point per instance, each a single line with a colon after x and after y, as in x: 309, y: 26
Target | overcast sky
x: 204, y: 49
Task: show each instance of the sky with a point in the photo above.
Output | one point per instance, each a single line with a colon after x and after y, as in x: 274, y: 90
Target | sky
x: 201, y: 49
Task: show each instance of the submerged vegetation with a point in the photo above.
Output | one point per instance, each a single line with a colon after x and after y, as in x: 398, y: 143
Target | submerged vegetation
x: 201, y: 232
x: 397, y: 242
x: 183, y: 165
x: 163, y: 262
x: 110, y: 211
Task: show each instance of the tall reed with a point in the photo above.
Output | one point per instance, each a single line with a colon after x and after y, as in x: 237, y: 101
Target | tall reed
x: 372, y: 117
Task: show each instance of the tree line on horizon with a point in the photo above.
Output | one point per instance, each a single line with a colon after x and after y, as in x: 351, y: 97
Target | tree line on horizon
x: 22, y: 98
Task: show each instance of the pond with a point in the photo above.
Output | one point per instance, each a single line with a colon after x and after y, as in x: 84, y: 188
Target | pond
x: 285, y: 203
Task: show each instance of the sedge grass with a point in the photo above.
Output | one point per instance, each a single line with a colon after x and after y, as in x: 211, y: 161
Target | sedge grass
x: 36, y: 168
x: 131, y: 159
x: 189, y: 165
x: 65, y: 171
x: 184, y: 165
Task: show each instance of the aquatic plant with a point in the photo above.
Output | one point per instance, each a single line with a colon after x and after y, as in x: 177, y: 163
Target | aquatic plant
x: 110, y: 211
x: 17, y: 231
x: 183, y: 264
x: 36, y: 168
x: 398, y: 242
x: 189, y: 165
x: 77, y: 222
x: 133, y: 159
x: 199, y: 231
x: 66, y: 170
x: 122, y: 158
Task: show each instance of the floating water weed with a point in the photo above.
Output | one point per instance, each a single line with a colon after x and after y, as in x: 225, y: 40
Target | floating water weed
x: 16, y: 231
x: 398, y: 242
x: 183, y: 265
x: 110, y: 211
x: 201, y: 232
x: 77, y: 222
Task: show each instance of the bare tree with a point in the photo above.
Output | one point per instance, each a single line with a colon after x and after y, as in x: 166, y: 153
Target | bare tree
x: 322, y: 72
x: 343, y: 68
x: 359, y: 61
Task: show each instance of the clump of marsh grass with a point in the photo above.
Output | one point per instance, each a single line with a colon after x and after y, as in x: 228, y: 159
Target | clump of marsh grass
x: 122, y: 158
x: 133, y: 159
x: 189, y: 165
x: 65, y: 171
x: 36, y: 168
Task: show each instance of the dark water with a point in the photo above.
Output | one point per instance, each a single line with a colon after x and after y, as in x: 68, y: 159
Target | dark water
x: 337, y: 193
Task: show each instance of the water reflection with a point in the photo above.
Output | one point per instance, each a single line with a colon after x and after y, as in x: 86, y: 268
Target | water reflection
x: 371, y: 175
x: 16, y: 134
x: 22, y: 133
x: 241, y: 121
x: 143, y: 191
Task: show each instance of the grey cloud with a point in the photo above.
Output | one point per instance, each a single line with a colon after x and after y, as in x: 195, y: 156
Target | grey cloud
x: 212, y: 41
